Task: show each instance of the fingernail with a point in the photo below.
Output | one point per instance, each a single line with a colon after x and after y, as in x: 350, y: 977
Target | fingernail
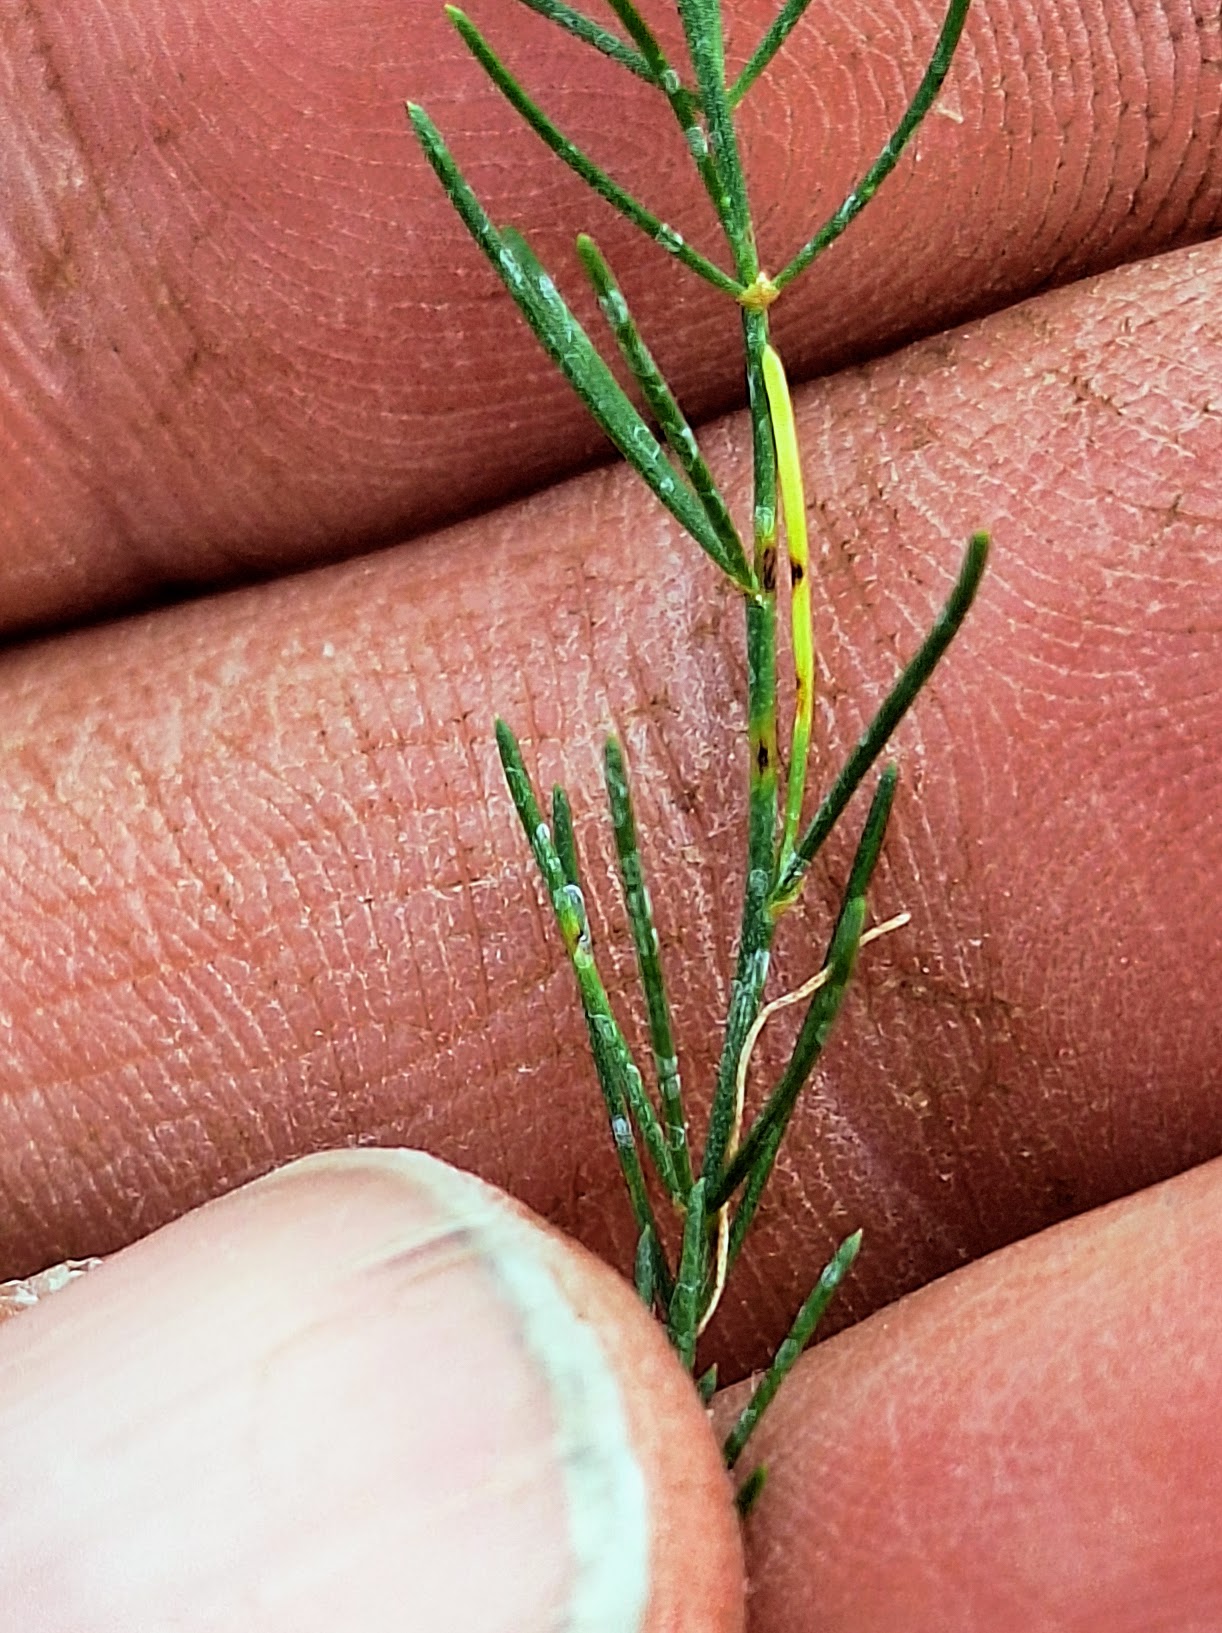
x: 589, y: 1438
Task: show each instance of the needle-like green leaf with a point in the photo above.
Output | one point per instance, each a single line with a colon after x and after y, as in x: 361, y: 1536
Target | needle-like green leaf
x: 702, y: 27
x: 645, y: 41
x: 855, y: 203
x: 782, y: 27
x: 895, y: 706
x: 618, y: 1076
x: 662, y: 402
x: 748, y: 1494
x: 580, y: 162
x: 567, y: 343
x: 572, y: 349
x: 564, y: 837
x: 685, y: 105
x: 645, y: 1272
x: 589, y: 32
x: 690, y: 1281
x: 786, y: 1357
x: 649, y: 966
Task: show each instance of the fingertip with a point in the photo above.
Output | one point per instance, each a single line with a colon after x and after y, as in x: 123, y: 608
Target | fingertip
x: 1032, y: 1442
x: 362, y: 1392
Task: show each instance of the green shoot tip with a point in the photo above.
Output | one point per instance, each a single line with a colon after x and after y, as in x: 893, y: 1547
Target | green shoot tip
x: 977, y: 554
x: 748, y: 1494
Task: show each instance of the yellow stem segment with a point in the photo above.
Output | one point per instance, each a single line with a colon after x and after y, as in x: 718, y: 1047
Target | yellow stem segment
x: 793, y: 506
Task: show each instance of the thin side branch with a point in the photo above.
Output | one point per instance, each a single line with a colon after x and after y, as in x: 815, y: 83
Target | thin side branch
x: 619, y: 1079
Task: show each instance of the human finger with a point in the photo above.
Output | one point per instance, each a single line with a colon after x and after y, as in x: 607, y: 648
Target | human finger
x: 243, y: 330
x: 264, y: 889
x: 1030, y: 1445
x: 360, y: 1393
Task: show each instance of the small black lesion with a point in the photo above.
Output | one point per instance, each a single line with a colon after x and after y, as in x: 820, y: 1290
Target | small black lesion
x: 796, y: 572
x: 762, y: 757
x: 768, y: 570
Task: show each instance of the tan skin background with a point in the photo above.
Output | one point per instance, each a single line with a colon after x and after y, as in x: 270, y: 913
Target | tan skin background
x: 262, y: 891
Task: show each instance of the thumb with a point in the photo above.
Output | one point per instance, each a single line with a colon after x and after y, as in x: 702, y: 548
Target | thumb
x: 366, y: 1392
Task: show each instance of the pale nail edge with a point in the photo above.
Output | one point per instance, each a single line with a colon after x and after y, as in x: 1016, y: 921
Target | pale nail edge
x: 607, y: 1499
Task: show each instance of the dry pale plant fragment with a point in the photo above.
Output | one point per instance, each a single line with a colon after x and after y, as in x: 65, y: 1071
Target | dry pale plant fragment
x: 24, y: 1294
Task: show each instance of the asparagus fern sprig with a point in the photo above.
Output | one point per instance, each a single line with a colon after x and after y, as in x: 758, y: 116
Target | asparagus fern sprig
x: 715, y: 1197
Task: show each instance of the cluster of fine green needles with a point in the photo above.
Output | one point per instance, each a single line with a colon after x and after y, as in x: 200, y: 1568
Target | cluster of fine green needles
x: 717, y: 1196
